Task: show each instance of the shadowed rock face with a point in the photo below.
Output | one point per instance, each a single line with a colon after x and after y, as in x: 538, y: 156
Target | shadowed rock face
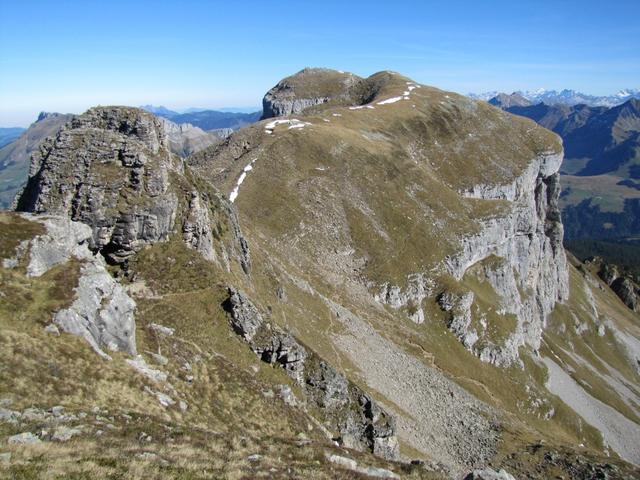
x: 111, y: 168
x: 622, y: 285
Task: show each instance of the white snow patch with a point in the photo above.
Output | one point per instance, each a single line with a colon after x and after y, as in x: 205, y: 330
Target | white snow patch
x: 243, y: 175
x: 336, y: 114
x: 390, y: 100
x: 298, y: 125
x: 293, y: 123
x: 273, y: 124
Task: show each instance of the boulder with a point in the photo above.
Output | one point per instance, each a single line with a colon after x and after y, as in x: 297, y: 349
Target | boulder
x: 26, y: 438
x: 489, y: 474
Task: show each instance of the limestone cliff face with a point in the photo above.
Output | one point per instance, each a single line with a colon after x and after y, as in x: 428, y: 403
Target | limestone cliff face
x: 113, y: 170
x: 519, y: 254
x: 102, y: 312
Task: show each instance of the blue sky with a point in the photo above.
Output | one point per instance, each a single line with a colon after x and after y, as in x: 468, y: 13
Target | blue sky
x: 70, y: 55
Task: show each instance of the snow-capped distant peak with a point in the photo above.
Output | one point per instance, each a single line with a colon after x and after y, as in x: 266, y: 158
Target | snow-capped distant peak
x: 568, y: 97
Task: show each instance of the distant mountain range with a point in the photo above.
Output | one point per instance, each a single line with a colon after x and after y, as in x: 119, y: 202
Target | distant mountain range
x: 207, y: 119
x: 601, y: 169
x: 566, y: 97
x: 15, y: 156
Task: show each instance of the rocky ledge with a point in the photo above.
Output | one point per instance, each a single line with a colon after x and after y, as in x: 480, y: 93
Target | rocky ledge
x: 359, y: 421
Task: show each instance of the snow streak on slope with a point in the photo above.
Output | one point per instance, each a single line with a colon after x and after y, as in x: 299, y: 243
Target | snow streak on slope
x: 405, y: 95
x: 243, y: 175
x: 293, y: 124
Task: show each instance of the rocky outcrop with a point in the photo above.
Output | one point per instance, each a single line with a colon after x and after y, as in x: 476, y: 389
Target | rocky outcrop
x: 112, y: 169
x: 307, y: 88
x: 353, y: 414
x: 102, y: 312
x: 489, y: 474
x: 419, y: 287
x: 519, y: 254
x: 458, y: 306
x: 109, y: 168
x: 621, y: 285
x: 196, y: 228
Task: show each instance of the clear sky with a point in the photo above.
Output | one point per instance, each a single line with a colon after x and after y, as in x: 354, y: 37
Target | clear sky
x: 69, y: 55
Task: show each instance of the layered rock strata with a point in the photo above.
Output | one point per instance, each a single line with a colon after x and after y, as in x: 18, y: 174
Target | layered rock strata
x: 112, y: 169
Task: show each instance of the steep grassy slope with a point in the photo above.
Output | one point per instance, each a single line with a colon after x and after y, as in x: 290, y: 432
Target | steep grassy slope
x: 406, y: 239
x: 342, y: 199
x: 230, y: 420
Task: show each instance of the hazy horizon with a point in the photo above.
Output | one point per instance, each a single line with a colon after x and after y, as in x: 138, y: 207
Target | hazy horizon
x: 69, y: 57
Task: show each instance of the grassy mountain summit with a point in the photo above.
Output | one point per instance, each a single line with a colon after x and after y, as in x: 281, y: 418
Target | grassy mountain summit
x: 391, y: 204
x: 370, y: 275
